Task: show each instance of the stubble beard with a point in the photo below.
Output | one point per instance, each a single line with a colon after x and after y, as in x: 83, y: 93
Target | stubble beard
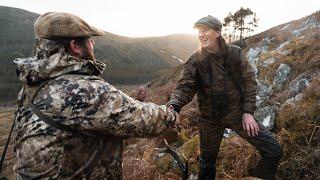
x: 87, y: 54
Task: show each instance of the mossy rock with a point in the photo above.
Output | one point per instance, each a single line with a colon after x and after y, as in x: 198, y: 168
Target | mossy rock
x: 190, y: 150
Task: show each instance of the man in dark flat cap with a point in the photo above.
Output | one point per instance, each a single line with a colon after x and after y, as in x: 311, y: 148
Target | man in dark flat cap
x: 226, y: 93
x: 70, y: 123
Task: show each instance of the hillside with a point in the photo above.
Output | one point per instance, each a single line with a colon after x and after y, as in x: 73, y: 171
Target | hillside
x: 130, y: 60
x: 286, y: 60
x: 16, y: 40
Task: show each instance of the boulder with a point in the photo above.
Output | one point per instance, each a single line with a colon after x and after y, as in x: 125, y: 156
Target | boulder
x: 286, y: 52
x: 265, y: 43
x: 266, y: 116
x: 269, y: 61
x: 297, y: 86
x: 259, y: 101
x: 292, y: 100
x: 264, y: 90
x: 282, y: 75
x: 252, y: 55
x: 310, y: 23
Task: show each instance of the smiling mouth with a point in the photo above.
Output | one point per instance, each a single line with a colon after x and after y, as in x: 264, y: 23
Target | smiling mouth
x: 204, y: 40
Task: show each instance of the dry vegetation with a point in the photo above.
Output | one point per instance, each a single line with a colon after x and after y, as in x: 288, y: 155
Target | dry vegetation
x: 300, y: 135
x: 6, y: 120
x: 298, y: 132
x: 298, y: 125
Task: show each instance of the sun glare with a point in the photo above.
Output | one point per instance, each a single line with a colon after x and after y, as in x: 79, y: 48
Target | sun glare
x: 156, y: 18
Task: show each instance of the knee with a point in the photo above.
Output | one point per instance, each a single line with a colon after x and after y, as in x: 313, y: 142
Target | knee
x: 273, y: 151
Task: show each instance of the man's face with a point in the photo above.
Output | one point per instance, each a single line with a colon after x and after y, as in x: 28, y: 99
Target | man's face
x: 208, y: 37
x: 87, y: 50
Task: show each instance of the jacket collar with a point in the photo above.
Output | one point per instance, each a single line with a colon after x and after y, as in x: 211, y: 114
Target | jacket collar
x: 50, y: 60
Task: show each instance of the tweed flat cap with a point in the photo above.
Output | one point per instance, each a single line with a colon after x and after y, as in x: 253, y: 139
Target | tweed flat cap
x: 209, y: 21
x: 60, y: 24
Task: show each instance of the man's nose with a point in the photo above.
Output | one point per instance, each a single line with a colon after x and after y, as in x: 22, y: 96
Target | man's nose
x: 200, y: 34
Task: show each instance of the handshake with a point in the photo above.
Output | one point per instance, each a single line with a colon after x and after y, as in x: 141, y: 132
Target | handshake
x: 173, y: 121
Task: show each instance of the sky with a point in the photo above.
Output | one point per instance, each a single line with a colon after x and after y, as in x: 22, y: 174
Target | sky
x: 145, y: 18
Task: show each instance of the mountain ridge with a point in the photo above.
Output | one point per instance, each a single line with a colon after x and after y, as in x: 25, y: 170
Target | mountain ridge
x: 130, y: 60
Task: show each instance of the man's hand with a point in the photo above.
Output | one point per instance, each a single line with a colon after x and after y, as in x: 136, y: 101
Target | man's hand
x: 250, y: 125
x: 177, y: 118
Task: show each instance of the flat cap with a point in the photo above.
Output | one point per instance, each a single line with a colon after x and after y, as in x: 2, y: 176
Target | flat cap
x: 60, y: 24
x: 209, y: 21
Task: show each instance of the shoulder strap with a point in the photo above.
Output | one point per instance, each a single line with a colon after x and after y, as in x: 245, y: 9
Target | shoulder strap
x: 88, y: 167
x: 93, y: 160
x: 50, y: 121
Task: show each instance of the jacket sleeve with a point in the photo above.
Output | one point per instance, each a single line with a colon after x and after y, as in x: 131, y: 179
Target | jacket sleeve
x: 249, y: 85
x: 186, y: 86
x: 95, y: 105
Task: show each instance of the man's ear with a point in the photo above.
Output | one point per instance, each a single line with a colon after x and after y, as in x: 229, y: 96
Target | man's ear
x: 218, y: 34
x: 75, y: 49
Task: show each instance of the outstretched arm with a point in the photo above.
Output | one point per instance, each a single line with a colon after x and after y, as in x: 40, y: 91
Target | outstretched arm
x: 94, y: 105
x: 186, y: 86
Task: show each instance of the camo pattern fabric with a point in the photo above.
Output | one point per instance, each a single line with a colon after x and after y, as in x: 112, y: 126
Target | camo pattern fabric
x: 75, y: 97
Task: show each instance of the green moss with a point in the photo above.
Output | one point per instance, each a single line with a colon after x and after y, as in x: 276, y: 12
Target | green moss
x: 183, y: 137
x: 189, y: 150
x: 164, y: 164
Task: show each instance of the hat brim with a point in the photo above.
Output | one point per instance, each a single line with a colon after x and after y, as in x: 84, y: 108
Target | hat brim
x: 96, y: 32
x: 197, y: 25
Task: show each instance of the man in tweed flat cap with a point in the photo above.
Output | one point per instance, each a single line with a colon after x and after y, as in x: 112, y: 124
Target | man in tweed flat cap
x: 226, y: 93
x: 70, y: 123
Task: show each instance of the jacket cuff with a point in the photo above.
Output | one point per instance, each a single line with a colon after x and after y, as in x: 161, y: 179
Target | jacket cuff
x: 171, y: 119
x: 248, y: 108
x: 175, y: 106
x: 249, y: 112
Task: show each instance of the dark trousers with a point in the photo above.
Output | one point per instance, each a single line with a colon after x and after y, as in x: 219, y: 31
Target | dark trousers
x: 211, y: 136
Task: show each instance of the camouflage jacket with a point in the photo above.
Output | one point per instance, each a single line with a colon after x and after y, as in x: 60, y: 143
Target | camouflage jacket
x: 206, y: 75
x: 76, y: 97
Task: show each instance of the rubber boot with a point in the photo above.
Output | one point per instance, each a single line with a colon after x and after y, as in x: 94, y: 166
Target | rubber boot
x: 266, y: 169
x: 207, y: 168
x: 207, y: 173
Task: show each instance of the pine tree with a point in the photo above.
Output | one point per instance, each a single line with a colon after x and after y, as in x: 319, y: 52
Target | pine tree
x: 243, y: 22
